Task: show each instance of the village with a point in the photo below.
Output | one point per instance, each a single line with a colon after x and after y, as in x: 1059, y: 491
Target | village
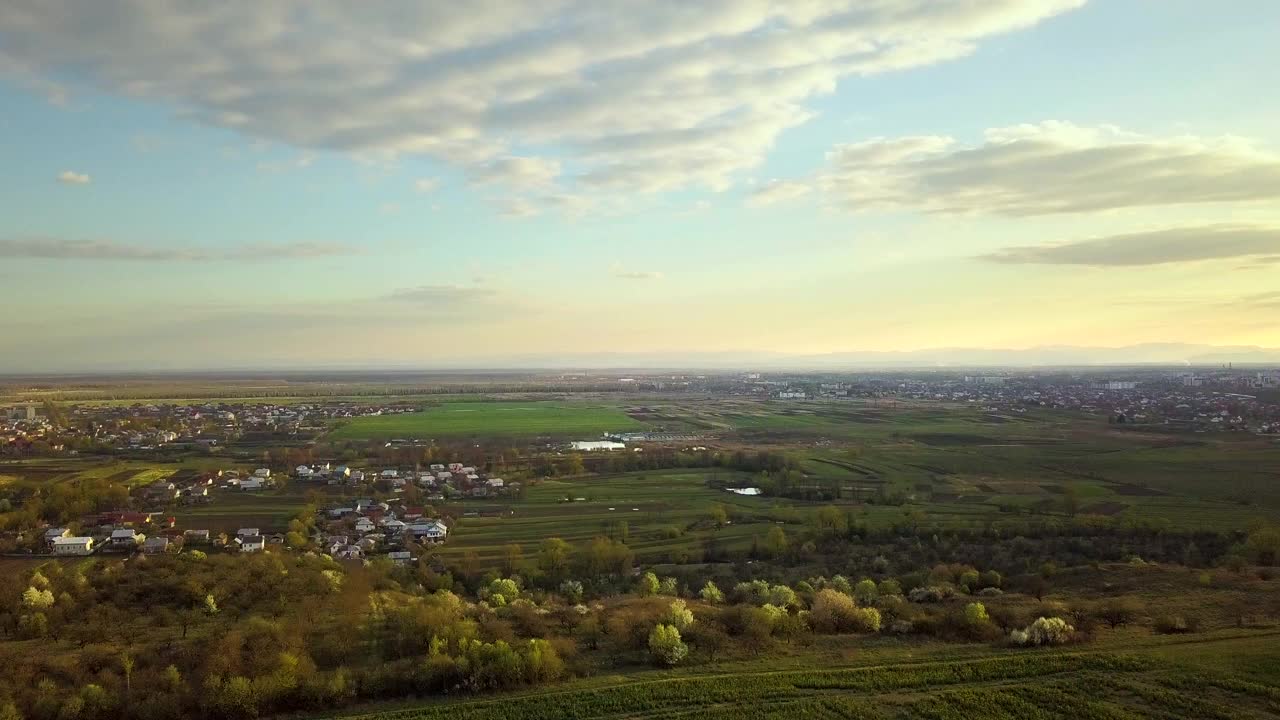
x: 350, y: 528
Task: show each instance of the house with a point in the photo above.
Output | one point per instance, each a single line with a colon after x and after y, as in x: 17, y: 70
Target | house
x: 155, y: 545
x: 357, y: 476
x: 390, y: 473
x: 254, y: 483
x: 495, y: 483
x: 243, y: 533
x: 400, y: 557
x: 455, y: 467
x: 262, y: 473
x: 430, y: 531
x: 52, y: 535
x: 252, y: 543
x: 126, y: 538
x: 197, y: 536
x: 393, y: 526
x: 347, y: 552
x: 436, y: 467
x: 303, y: 471
x: 364, y: 525
x: 72, y: 545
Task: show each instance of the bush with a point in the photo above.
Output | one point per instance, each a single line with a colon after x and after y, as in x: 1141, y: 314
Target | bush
x: 1176, y: 624
x: 836, y: 612
x: 931, y: 594
x: 665, y: 645
x: 1047, y: 631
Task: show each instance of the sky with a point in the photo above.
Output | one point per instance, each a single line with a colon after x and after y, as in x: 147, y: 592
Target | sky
x: 189, y: 185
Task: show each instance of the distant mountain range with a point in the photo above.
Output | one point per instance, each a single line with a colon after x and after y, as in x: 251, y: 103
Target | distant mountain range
x: 1055, y: 355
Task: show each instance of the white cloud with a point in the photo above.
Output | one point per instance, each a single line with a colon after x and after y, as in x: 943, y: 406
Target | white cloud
x: 777, y: 191
x: 633, y: 96
x: 1048, y: 168
x: 68, y: 177
x: 426, y: 185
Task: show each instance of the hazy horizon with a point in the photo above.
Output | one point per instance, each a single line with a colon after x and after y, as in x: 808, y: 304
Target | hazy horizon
x: 261, y: 185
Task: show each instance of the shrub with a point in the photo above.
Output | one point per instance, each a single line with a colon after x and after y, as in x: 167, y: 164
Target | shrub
x: 889, y: 587
x: 648, y: 585
x: 1176, y: 624
x: 976, y: 614
x: 931, y: 593
x: 665, y: 645
x: 1049, y: 631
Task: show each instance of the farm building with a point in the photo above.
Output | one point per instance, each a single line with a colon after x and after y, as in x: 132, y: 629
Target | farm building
x: 594, y: 445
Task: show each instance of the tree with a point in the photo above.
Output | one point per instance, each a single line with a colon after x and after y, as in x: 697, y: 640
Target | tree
x: 571, y: 590
x: 1119, y: 611
x: 669, y: 586
x: 866, y: 592
x: 553, y: 557
x: 512, y: 559
x: 647, y: 585
x: 775, y: 542
x: 665, y: 645
x: 719, y: 515
x: 975, y: 614
x: 969, y: 581
x: 711, y: 594
x: 678, y: 616
x: 1048, y: 631
x: 1263, y: 545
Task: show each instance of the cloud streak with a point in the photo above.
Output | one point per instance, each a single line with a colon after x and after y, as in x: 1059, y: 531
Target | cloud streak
x: 1046, y: 169
x: 68, y: 177
x: 1155, y: 247
x: 61, y: 249
x: 777, y: 191
x: 629, y: 96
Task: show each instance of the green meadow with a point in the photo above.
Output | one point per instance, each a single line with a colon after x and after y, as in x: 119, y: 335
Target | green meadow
x: 491, y: 419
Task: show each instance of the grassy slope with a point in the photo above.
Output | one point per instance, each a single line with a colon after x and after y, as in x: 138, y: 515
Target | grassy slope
x: 1230, y: 674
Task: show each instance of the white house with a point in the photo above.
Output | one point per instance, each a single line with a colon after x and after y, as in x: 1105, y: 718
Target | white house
x: 495, y: 482
x: 253, y: 483
x: 303, y: 471
x: 243, y: 533
x: 364, y: 525
x: 52, y: 535
x: 73, y: 546
x: 400, y: 557
x: 390, y: 473
x: 252, y: 543
x: 262, y: 473
x: 431, y: 531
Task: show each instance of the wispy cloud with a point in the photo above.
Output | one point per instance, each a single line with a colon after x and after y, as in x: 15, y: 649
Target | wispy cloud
x: 1049, y: 168
x: 633, y: 96
x: 61, y: 249
x: 68, y: 177
x: 777, y: 191
x: 637, y: 275
x: 1154, y: 247
x: 426, y: 185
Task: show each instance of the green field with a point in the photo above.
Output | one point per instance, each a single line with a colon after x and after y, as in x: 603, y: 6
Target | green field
x: 1229, y: 676
x: 492, y: 419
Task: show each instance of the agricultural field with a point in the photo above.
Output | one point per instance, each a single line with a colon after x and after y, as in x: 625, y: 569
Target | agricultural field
x: 1150, y: 678
x: 36, y: 473
x: 658, y: 509
x: 491, y: 419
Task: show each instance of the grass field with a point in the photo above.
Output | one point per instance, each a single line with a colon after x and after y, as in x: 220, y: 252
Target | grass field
x: 492, y: 419
x: 1226, y: 676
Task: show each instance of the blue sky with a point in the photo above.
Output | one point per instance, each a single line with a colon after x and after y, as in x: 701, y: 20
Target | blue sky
x: 196, y: 187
